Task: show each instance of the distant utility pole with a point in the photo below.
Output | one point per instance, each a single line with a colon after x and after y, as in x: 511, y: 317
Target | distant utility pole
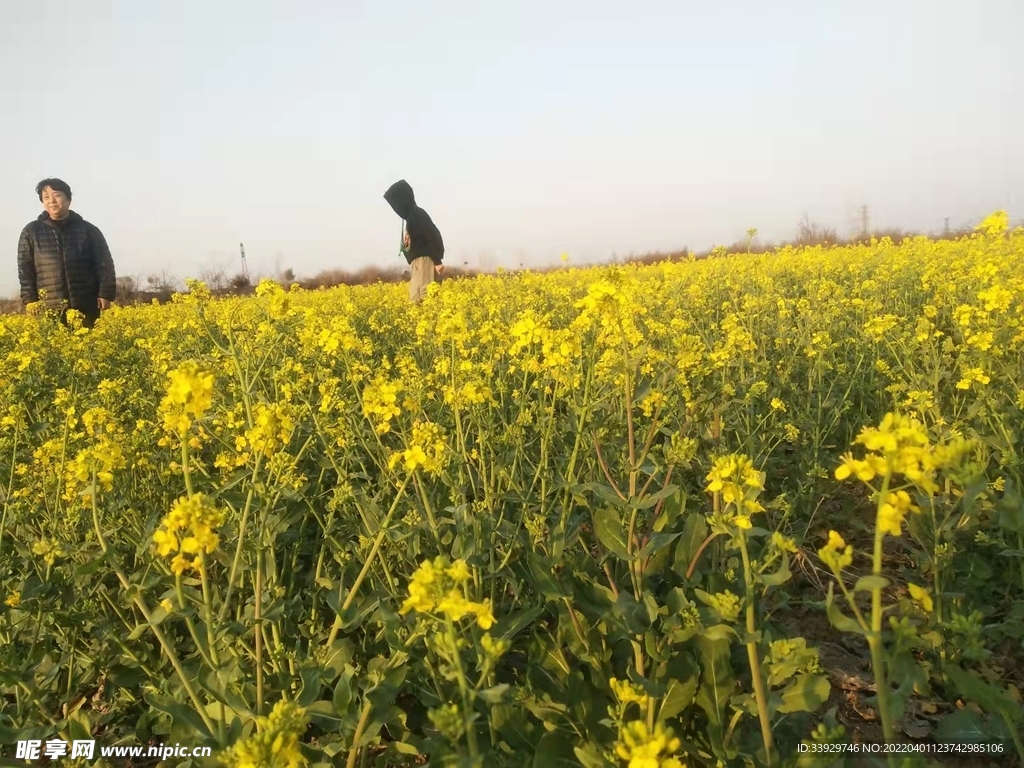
x: 864, y: 221
x: 946, y: 230
x: 245, y: 267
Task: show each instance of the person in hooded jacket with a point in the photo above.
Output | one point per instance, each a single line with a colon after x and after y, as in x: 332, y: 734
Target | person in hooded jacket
x: 64, y: 257
x: 422, y: 245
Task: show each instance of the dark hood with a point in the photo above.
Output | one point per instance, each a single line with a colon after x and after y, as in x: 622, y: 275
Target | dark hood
x: 400, y: 198
x: 45, y: 218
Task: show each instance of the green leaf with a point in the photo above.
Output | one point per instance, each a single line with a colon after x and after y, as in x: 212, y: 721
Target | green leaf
x: 178, y: 712
x: 611, y: 532
x: 322, y: 713
x: 719, y: 632
x: 590, y: 756
x: 543, y: 578
x: 805, y: 694
x: 988, y: 696
x: 781, y: 576
x: 695, y: 530
x: 717, y: 680
x: 343, y: 693
x: 967, y: 727
x: 657, y: 542
x: 493, y: 695
x: 310, y: 690
x: 837, y: 618
x: 554, y: 750
x: 138, y: 632
x: 637, y: 616
x: 683, y: 678
x: 126, y: 677
x: 1011, y: 511
x: 90, y: 567
x: 869, y: 583
x: 671, y: 510
x: 605, y: 493
x: 654, y: 498
x: 404, y: 749
x: 509, y: 626
x: 338, y: 657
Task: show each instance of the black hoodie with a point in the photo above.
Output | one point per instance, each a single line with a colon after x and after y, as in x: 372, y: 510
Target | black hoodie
x: 424, y: 237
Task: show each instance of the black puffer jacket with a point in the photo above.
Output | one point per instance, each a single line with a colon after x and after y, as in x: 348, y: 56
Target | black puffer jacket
x: 69, y: 260
x: 424, y: 237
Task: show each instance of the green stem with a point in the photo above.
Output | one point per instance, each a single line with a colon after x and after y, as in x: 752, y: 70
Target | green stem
x: 428, y: 508
x: 144, y: 609
x: 368, y: 564
x: 258, y: 640
x: 875, y: 636
x: 184, y: 464
x: 467, y: 709
x: 10, y: 490
x: 353, y: 753
x: 211, y: 637
x: 232, y: 574
x: 755, y: 664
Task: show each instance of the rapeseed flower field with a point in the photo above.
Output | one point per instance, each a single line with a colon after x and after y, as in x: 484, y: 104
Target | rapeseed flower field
x: 601, y: 517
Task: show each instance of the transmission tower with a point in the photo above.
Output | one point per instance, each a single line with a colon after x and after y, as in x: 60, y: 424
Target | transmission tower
x: 245, y: 267
x: 864, y: 221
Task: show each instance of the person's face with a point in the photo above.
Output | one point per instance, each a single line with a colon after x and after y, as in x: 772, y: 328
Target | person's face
x: 56, y: 203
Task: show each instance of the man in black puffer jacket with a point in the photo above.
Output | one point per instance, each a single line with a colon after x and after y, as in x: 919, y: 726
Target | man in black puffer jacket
x: 63, y: 255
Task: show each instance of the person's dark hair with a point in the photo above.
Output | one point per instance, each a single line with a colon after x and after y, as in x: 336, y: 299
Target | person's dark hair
x: 57, y: 185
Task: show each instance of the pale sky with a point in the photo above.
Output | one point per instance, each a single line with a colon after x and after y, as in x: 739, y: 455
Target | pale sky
x: 527, y: 129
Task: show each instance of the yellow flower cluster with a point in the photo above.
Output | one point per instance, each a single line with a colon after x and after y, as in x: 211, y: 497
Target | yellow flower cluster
x: 790, y: 656
x: 276, y: 741
x: 439, y: 587
x: 380, y: 403
x: 272, y: 430
x: 628, y: 693
x: 426, y: 449
x: 972, y: 376
x: 726, y: 605
x: 641, y: 748
x: 189, y: 396
x: 892, y: 511
x: 836, y: 553
x: 994, y: 224
x: 921, y: 596
x: 190, y: 528
x: 740, y: 484
x: 900, y: 446
x: 104, y: 456
x: 48, y: 550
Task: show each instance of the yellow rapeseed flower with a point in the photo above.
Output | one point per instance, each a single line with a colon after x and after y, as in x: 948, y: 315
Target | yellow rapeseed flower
x: 276, y: 741
x: 836, y: 553
x: 189, y: 528
x: 921, y: 596
x: 641, y: 748
x: 437, y: 587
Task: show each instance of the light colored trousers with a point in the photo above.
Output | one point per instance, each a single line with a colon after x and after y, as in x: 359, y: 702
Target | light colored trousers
x: 421, y: 275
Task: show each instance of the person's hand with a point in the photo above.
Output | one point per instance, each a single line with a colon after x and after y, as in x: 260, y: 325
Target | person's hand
x: 102, y: 303
x: 34, y: 308
x: 406, y: 242
x: 438, y: 268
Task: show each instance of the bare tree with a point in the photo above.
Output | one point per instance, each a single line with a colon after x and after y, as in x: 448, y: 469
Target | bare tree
x: 810, y: 233
x: 127, y: 290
